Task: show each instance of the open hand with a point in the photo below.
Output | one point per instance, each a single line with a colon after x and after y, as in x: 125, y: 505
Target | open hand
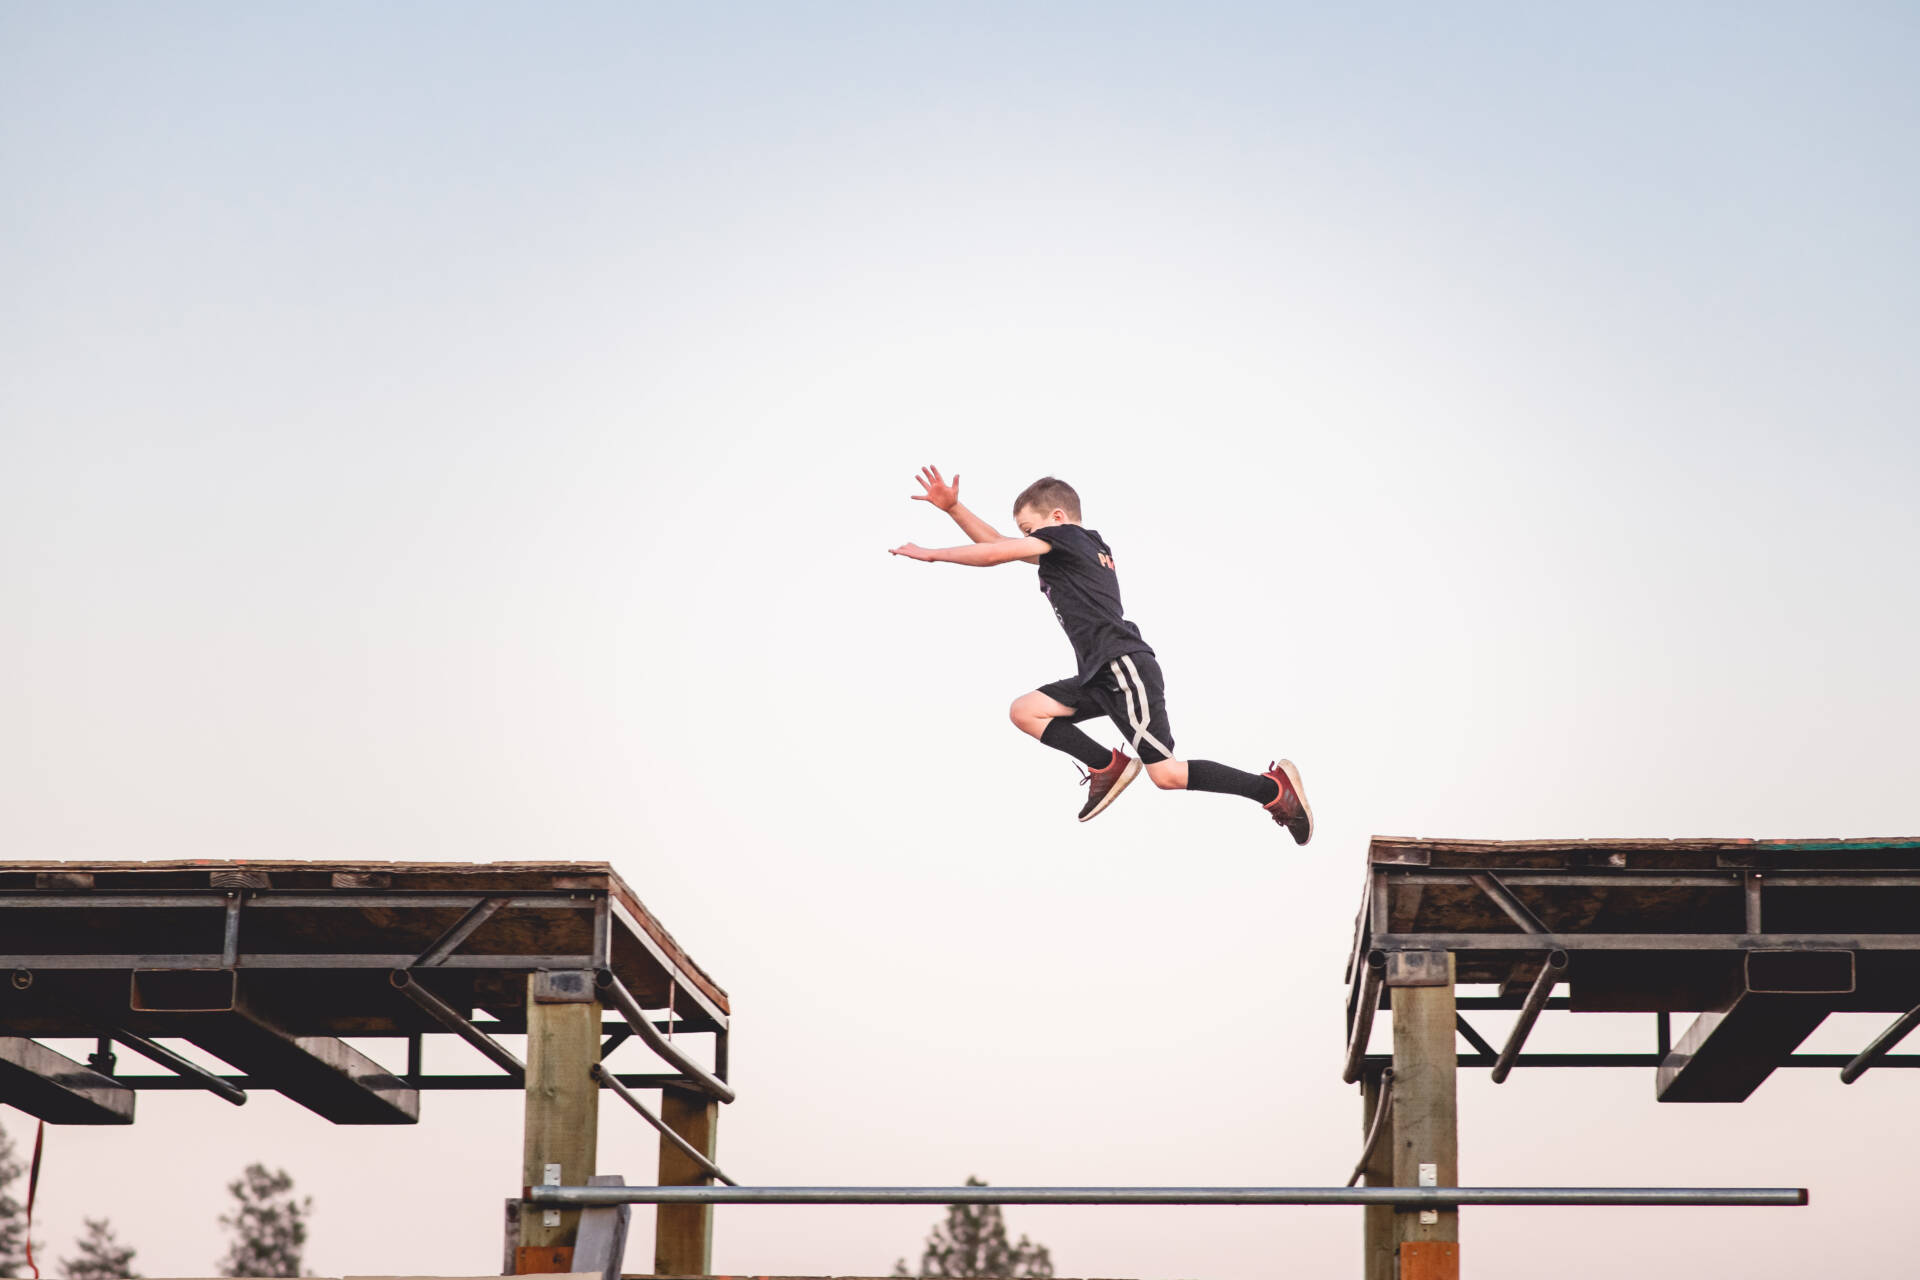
x: 941, y: 493
x: 911, y: 552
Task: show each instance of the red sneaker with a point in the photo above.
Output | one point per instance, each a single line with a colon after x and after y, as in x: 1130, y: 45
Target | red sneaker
x: 1105, y: 785
x: 1290, y: 808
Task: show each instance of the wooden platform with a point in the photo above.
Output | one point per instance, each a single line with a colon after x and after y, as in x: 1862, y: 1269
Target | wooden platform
x: 267, y: 963
x: 1764, y: 938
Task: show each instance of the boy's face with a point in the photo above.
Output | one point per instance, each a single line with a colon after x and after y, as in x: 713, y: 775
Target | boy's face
x: 1027, y: 519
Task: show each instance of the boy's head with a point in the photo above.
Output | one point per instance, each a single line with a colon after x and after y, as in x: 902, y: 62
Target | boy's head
x: 1046, y: 501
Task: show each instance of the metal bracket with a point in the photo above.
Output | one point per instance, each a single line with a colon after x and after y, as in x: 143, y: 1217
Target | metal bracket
x: 564, y: 986
x: 1418, y: 969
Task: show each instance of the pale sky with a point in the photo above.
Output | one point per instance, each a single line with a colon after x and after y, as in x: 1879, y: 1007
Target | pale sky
x: 475, y: 431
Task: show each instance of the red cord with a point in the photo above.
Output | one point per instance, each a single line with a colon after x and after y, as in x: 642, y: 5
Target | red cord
x: 33, y: 1188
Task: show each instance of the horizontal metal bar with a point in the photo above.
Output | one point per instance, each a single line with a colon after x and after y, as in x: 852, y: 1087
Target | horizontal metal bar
x: 1400, y: 1197
x: 292, y: 960
x: 269, y: 898
x: 1573, y: 880
x: 570, y: 899
x: 1507, y: 1002
x: 1536, y: 942
x: 450, y: 1083
x: 1825, y: 1061
x: 1731, y: 879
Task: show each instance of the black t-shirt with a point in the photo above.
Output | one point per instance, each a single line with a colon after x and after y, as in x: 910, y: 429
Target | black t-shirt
x: 1078, y: 579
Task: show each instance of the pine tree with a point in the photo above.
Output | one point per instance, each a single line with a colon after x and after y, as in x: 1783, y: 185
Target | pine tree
x: 13, y: 1214
x: 974, y: 1243
x: 269, y: 1226
x: 102, y: 1257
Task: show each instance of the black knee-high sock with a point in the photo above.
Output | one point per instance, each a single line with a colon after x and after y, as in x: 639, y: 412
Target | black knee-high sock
x: 1063, y: 735
x: 1205, y: 775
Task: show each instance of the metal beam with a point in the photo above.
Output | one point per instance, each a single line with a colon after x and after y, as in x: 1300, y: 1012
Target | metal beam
x: 1360, y: 1017
x: 524, y: 963
x: 453, y: 1020
x: 186, y: 1074
x: 616, y: 996
x: 1875, y: 1054
x: 1820, y: 1061
x: 1503, y: 898
x: 1725, y: 1055
x: 1399, y: 1197
x: 481, y: 912
x: 57, y: 1089
x: 685, y: 1148
x: 1472, y: 1037
x: 1550, y: 971
x: 324, y: 1074
x: 1507, y: 943
x: 425, y: 1084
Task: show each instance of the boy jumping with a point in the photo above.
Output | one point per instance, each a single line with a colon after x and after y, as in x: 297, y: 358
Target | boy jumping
x: 1118, y: 676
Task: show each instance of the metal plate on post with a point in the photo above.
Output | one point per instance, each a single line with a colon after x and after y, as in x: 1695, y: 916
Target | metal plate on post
x: 1418, y: 969
x: 564, y: 986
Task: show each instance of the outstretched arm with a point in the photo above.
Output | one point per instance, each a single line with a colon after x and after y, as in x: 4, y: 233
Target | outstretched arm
x: 980, y: 554
x: 945, y: 495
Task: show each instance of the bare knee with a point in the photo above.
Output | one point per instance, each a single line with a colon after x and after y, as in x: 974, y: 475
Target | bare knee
x: 1028, y: 715
x: 1168, y: 775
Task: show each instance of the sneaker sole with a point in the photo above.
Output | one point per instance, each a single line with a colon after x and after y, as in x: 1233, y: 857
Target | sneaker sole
x: 1127, y: 775
x: 1300, y: 794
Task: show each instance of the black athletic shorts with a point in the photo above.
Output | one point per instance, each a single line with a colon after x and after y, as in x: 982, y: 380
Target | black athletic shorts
x: 1132, y: 694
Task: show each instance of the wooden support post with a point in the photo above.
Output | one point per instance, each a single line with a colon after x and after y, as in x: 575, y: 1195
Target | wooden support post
x: 683, y: 1233
x: 563, y: 1109
x: 1379, y: 1242
x: 1425, y: 1118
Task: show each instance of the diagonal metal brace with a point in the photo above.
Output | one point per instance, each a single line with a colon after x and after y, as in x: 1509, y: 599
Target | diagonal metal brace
x: 481, y: 912
x: 1550, y: 972
x: 1503, y: 898
x: 692, y: 1152
x: 216, y: 1085
x: 1473, y: 1037
x: 453, y: 1020
x: 1883, y: 1042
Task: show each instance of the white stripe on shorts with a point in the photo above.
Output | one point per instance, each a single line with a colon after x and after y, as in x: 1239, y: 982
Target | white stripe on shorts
x: 1143, y: 717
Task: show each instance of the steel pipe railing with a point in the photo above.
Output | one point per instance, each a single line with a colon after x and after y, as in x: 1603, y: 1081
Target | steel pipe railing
x: 1550, y: 971
x: 616, y: 996
x: 1397, y: 1197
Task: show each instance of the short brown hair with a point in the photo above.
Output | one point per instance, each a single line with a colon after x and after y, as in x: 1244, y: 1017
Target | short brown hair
x: 1045, y: 494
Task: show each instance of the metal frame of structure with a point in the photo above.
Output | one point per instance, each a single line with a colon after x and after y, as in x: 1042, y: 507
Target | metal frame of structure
x: 1762, y: 939
x: 273, y: 966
